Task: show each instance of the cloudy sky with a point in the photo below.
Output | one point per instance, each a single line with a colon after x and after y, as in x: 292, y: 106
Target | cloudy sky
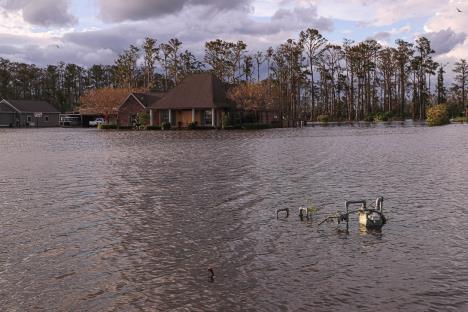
x: 95, y: 31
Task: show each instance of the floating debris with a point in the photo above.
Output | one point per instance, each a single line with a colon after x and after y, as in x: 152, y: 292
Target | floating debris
x: 370, y: 218
x: 282, y: 210
x: 212, y: 274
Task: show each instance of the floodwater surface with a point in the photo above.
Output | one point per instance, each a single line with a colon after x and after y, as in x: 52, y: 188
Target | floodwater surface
x: 131, y: 221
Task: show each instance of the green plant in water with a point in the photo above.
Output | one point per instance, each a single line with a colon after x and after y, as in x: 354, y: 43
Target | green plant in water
x: 311, y: 208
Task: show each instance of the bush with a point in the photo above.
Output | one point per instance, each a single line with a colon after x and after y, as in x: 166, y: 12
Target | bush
x: 438, y: 115
x: 192, y: 126
x: 256, y: 126
x: 107, y: 127
x: 166, y: 126
x: 143, y: 119
x: 323, y: 118
x: 153, y: 128
x: 383, y: 116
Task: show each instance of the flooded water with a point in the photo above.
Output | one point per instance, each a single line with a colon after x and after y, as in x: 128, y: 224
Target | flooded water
x: 131, y: 221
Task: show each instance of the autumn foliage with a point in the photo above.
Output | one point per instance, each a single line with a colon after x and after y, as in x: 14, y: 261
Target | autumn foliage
x: 437, y: 115
x: 258, y: 96
x: 104, y: 101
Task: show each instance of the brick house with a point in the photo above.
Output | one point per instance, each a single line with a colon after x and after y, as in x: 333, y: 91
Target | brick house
x: 135, y: 104
x: 199, y: 98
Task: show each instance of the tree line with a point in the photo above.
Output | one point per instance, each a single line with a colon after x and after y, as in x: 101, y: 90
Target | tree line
x: 301, y: 79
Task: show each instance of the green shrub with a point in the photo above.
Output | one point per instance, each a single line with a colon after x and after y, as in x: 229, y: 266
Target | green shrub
x: 383, y: 116
x: 255, y: 126
x: 437, y: 115
x: 153, y: 128
x: 143, y: 119
x: 192, y: 126
x: 323, y: 118
x: 166, y: 126
x: 107, y: 127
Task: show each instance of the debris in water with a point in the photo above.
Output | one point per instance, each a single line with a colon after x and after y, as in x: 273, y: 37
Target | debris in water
x: 212, y: 274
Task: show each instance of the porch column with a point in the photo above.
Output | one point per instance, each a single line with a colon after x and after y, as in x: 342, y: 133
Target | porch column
x: 170, y: 117
x: 151, y: 118
x: 213, y: 120
x: 193, y: 115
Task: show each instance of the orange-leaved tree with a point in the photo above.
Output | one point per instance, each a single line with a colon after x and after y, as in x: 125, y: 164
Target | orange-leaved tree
x: 257, y: 96
x: 104, y: 101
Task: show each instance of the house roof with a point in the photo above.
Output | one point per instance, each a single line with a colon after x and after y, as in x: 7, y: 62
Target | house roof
x: 25, y: 106
x: 146, y: 99
x: 203, y: 90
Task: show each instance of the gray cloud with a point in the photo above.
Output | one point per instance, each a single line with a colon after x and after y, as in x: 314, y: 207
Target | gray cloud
x: 383, y: 35
x: 193, y: 25
x: 42, y: 12
x: 445, y: 40
x: 287, y: 20
x: 136, y: 10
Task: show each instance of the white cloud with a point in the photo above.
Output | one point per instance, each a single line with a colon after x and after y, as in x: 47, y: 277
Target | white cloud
x: 42, y: 12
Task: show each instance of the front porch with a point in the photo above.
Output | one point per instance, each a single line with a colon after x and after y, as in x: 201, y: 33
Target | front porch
x: 182, y: 118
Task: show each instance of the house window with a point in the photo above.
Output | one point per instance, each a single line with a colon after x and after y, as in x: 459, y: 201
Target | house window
x: 134, y: 120
x: 47, y: 118
x: 165, y: 116
x: 208, y: 117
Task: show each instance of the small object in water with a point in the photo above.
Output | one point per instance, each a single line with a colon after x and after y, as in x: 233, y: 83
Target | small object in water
x: 307, y: 212
x: 303, y: 213
x: 212, y: 274
x: 282, y: 210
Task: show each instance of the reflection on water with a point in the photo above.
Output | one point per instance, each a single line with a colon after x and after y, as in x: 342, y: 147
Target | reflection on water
x: 129, y: 221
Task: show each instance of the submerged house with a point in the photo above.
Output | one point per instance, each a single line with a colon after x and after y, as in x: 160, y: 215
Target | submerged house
x: 135, y: 104
x: 199, y: 99
x: 24, y: 113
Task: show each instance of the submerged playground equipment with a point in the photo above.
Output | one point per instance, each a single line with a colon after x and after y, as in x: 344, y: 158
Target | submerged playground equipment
x: 370, y: 218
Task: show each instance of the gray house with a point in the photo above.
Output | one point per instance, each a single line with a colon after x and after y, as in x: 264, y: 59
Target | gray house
x: 23, y: 113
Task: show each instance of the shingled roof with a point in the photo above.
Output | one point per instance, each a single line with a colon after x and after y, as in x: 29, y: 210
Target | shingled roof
x: 203, y: 90
x: 25, y: 106
x: 146, y: 99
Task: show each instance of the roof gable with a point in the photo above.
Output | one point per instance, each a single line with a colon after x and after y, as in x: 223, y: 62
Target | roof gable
x: 195, y: 91
x: 144, y: 99
x: 26, y: 106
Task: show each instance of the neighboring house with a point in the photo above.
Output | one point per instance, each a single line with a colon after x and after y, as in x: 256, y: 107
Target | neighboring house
x: 102, y: 103
x: 199, y: 98
x: 135, y: 104
x: 23, y: 113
